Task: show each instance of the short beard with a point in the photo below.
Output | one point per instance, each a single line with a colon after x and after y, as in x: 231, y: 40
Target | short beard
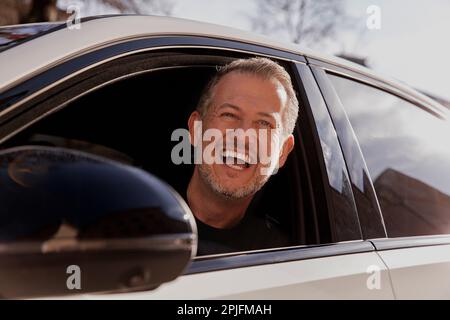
x: 249, y: 189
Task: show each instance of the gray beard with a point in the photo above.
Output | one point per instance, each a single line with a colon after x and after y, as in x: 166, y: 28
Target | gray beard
x: 249, y: 189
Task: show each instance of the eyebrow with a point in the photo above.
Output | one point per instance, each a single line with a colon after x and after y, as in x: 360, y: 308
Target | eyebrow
x: 263, y: 114
x: 226, y: 104
x: 267, y: 115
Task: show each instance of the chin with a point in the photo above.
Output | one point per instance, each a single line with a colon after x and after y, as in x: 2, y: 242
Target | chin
x: 232, y: 184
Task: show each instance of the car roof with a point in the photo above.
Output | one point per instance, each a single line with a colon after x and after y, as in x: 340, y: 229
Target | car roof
x: 54, y: 46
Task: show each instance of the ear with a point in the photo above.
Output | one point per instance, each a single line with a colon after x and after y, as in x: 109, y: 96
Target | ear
x: 195, y: 116
x: 288, y: 146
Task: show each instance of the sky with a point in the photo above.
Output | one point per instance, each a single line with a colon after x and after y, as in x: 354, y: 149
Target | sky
x: 411, y: 45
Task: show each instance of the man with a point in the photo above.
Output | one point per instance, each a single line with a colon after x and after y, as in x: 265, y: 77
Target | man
x: 247, y: 95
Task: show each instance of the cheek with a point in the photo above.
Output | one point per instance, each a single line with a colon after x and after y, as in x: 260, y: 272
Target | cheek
x: 212, y: 144
x: 269, y: 142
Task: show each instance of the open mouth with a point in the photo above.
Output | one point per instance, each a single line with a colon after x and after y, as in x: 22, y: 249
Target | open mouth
x: 236, y: 160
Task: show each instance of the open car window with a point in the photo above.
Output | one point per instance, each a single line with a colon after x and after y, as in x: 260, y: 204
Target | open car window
x: 131, y: 120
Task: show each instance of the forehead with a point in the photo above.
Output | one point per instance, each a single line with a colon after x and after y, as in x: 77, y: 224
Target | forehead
x: 250, y: 92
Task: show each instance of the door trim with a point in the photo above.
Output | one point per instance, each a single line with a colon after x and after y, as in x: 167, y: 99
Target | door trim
x: 409, y: 242
x: 272, y: 256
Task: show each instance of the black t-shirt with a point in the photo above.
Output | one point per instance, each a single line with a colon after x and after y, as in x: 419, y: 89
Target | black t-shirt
x: 257, y: 230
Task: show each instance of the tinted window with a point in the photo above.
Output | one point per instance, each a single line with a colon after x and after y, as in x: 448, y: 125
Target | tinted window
x: 408, y: 156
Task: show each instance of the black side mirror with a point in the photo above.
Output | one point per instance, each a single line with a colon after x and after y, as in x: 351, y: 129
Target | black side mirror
x: 73, y: 223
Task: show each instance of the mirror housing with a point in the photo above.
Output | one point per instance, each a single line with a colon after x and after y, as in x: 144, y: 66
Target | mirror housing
x: 73, y: 223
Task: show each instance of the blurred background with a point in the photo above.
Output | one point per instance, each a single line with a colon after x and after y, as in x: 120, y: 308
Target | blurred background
x: 405, y: 39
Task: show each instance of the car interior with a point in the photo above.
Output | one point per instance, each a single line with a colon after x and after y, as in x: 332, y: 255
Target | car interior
x: 128, y: 111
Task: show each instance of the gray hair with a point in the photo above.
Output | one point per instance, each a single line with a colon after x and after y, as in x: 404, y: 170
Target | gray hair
x: 261, y: 67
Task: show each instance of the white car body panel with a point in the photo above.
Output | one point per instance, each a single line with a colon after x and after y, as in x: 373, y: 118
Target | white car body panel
x: 57, y: 46
x: 419, y: 273
x: 337, y: 277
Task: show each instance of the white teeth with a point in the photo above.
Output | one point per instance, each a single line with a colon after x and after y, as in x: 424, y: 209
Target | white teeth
x: 242, y: 158
x: 235, y: 167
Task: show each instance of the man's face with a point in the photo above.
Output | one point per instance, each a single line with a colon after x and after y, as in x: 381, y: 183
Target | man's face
x: 254, y: 105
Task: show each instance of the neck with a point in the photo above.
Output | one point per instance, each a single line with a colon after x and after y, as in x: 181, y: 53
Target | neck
x: 214, y: 209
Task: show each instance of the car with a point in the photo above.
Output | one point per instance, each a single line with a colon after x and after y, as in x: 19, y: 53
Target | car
x: 86, y: 122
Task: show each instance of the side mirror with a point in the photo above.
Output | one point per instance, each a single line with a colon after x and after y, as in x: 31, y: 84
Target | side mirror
x: 73, y: 223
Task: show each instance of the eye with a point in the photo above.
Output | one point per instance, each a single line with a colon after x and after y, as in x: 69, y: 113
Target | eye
x: 229, y: 115
x: 265, y: 123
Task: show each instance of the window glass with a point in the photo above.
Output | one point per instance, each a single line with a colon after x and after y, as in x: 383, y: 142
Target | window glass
x: 407, y: 151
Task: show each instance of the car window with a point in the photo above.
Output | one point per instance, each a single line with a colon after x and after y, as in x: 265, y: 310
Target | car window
x: 407, y: 152
x: 132, y: 121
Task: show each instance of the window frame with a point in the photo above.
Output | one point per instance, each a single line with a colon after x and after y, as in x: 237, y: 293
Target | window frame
x: 369, y: 211
x: 348, y: 137
x: 326, y: 142
x: 435, y: 108
x: 21, y: 98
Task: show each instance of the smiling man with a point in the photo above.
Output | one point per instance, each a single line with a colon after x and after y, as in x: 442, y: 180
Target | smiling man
x: 253, y: 102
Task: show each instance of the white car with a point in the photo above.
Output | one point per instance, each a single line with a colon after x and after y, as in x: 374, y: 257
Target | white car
x: 86, y: 122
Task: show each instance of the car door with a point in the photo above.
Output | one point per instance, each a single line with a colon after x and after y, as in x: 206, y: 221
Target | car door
x: 342, y: 270
x: 404, y: 142
x: 333, y: 263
